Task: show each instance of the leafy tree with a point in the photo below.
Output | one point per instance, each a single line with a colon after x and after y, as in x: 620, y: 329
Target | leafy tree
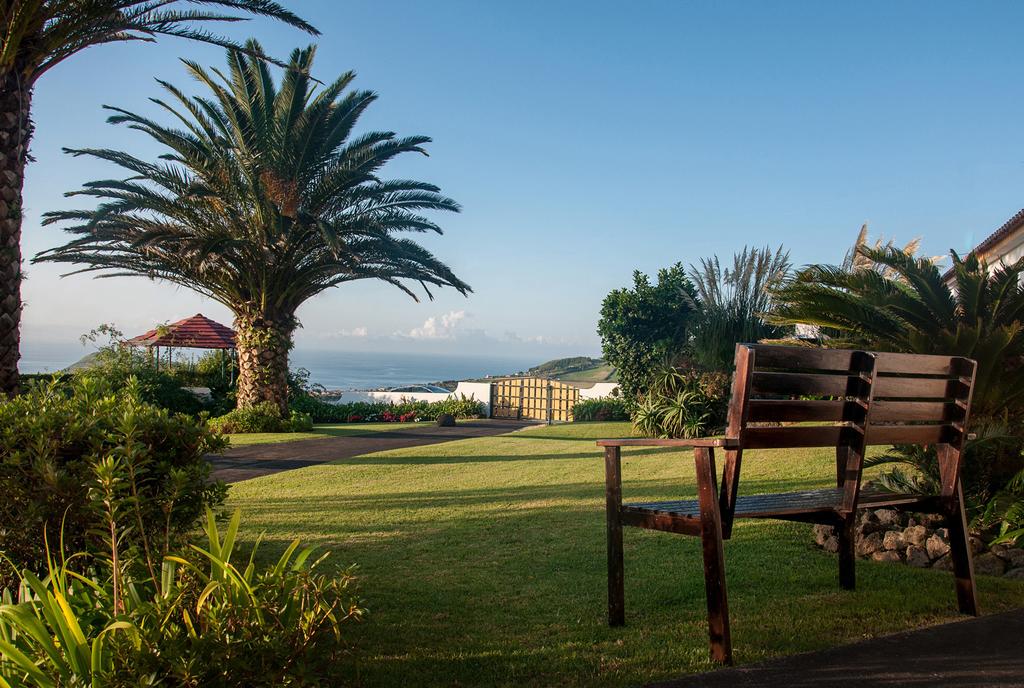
x: 37, y: 35
x: 643, y: 327
x: 733, y: 304
x: 263, y: 200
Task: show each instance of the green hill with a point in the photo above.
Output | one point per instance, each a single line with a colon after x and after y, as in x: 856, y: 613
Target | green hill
x: 575, y: 369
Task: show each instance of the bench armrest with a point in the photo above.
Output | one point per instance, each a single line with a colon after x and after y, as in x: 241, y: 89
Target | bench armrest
x: 724, y: 442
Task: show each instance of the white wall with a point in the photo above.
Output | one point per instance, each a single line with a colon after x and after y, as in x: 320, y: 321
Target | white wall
x: 599, y: 390
x: 481, y: 391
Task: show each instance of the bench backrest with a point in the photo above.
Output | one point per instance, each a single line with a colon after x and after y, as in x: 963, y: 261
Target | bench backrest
x: 848, y: 400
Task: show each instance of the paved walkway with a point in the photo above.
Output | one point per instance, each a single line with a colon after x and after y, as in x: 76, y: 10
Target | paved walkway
x: 242, y: 463
x: 968, y: 654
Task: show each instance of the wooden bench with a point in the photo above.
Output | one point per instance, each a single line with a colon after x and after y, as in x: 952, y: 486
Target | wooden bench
x: 788, y: 397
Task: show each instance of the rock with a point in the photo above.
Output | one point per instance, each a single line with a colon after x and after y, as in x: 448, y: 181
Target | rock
x: 944, y: 563
x: 822, y: 533
x: 869, y: 544
x: 1014, y: 556
x: 445, y: 420
x: 915, y: 535
x: 868, y: 523
x: 893, y: 540
x: 1016, y: 574
x: 911, y: 521
x: 831, y: 545
x: 931, y: 520
x: 977, y: 546
x: 887, y: 517
x: 988, y: 564
x: 936, y: 546
x: 998, y: 550
x: 917, y: 557
x: 886, y: 556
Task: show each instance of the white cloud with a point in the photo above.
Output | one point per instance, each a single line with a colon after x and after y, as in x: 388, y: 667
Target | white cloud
x: 438, y: 328
x: 354, y: 333
x: 514, y: 337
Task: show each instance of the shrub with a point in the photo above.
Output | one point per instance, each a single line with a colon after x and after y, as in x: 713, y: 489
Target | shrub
x: 360, y: 411
x: 263, y: 417
x: 207, y: 621
x: 682, y: 403
x: 606, y: 409
x: 52, y: 441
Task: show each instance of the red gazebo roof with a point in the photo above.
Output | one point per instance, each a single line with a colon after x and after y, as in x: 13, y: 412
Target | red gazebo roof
x: 197, y: 332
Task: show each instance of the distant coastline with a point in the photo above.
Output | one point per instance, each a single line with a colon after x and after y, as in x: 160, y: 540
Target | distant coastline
x: 369, y: 370
x: 340, y: 371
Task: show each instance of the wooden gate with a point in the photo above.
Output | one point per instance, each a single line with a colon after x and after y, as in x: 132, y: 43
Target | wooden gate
x: 533, y: 398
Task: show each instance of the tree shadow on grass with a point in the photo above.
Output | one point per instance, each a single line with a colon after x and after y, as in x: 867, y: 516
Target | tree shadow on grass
x: 508, y: 496
x: 512, y: 594
x: 389, y: 458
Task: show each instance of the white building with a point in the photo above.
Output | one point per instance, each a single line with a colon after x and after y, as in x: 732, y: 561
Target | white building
x: 1004, y: 246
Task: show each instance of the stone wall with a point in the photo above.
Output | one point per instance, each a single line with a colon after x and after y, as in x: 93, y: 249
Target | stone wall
x: 921, y: 541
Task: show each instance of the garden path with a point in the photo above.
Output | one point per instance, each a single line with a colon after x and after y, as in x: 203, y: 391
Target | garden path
x: 252, y: 461
x: 966, y: 654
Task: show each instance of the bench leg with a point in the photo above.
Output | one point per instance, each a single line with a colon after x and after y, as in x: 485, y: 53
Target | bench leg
x: 847, y: 533
x: 616, y: 574
x: 960, y: 551
x: 714, y: 557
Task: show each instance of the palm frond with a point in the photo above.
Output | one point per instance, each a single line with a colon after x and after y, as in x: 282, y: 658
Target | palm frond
x: 37, y: 35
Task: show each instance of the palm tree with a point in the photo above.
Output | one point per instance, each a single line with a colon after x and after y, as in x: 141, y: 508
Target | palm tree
x: 902, y: 303
x: 37, y: 35
x: 263, y: 200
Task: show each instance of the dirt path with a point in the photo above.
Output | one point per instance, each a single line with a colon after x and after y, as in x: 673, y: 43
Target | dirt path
x: 242, y: 463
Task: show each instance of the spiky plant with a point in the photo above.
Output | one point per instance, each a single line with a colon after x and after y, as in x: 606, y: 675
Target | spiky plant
x: 732, y: 303
x: 262, y: 200
x: 37, y: 35
x: 856, y: 260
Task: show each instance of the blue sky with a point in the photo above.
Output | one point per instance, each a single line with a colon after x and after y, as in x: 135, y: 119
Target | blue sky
x: 588, y: 139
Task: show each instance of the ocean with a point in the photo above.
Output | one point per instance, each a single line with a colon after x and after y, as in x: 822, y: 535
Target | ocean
x: 362, y: 370
x: 370, y: 370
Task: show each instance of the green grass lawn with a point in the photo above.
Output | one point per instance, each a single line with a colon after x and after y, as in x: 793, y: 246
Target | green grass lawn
x: 482, y: 562
x: 319, y: 431
x: 601, y: 373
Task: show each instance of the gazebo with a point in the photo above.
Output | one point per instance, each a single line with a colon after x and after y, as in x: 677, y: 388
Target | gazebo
x: 197, y: 332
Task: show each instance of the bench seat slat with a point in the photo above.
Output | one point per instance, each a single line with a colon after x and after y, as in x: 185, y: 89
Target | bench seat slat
x: 916, y: 388
x: 798, y: 358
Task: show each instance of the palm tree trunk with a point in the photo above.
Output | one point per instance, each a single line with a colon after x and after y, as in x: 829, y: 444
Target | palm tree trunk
x: 15, y: 132
x: 263, y: 346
